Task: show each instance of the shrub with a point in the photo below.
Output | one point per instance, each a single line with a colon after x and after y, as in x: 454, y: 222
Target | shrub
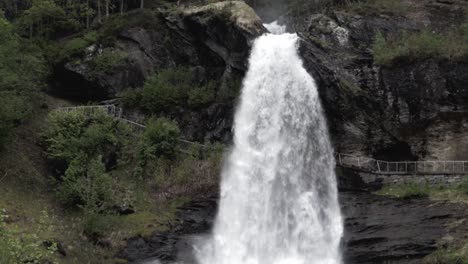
x: 160, y: 140
x: 74, y: 47
x: 96, y: 225
x: 421, y: 45
x: 23, y: 73
x: 451, y: 255
x: 169, y: 91
x: 195, y: 173
x: 370, y: 7
x: 13, y: 109
x: 15, y: 248
x: 86, y: 184
x: 108, y: 61
x: 112, y: 26
x: 74, y: 134
x: 463, y: 186
x: 203, y: 96
x: 166, y: 90
x: 408, y: 190
x: 79, y: 143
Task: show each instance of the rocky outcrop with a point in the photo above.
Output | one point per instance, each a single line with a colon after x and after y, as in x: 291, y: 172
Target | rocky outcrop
x: 387, y: 230
x: 195, y: 218
x: 213, y: 40
x: 395, y: 112
x: 378, y: 230
x: 216, y: 37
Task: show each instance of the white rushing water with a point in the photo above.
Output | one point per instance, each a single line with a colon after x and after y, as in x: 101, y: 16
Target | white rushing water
x: 279, y: 201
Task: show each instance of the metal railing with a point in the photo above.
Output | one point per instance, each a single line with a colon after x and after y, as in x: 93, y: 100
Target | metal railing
x: 111, y: 110
x: 345, y: 160
x: 402, y: 167
x: 118, y: 114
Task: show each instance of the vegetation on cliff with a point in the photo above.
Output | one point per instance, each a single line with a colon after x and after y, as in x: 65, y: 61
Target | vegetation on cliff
x: 169, y: 91
x: 101, y: 183
x: 23, y: 73
x: 409, y: 190
x: 452, y: 45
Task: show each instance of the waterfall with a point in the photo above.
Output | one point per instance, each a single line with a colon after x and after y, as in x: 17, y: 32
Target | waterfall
x: 279, y: 201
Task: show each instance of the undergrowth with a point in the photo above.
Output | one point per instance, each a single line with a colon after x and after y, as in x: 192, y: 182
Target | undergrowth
x: 452, y: 45
x: 411, y: 189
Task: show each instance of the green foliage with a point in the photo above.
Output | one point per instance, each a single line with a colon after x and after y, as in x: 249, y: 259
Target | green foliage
x: 451, y: 255
x: 44, y: 18
x: 162, y: 92
x: 77, y: 142
x: 97, y: 225
x: 116, y: 24
x: 463, y: 186
x: 202, y: 96
x: 421, y: 45
x: 108, y: 61
x: 16, y: 248
x: 57, y: 52
x: 407, y: 190
x: 197, y: 172
x: 231, y: 91
x: 171, y: 90
x: 90, y: 187
x: 22, y: 72
x: 74, y: 47
x: 453, y: 193
x: 159, y: 140
x: 372, y: 7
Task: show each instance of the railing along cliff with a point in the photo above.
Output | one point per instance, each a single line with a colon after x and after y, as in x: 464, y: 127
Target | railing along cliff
x: 402, y: 167
x: 345, y: 160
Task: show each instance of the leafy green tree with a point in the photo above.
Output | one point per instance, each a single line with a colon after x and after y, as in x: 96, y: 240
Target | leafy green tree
x: 79, y: 144
x: 160, y: 139
x: 22, y: 72
x: 86, y: 184
x: 41, y: 17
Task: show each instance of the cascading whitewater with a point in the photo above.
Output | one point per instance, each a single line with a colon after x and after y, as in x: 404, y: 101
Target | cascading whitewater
x: 279, y: 201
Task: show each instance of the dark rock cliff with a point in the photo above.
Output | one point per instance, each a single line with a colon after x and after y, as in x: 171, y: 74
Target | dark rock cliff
x: 411, y: 109
x: 213, y: 41
x: 378, y: 230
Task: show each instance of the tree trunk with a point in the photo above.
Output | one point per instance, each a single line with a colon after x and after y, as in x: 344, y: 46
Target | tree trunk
x: 107, y: 8
x: 99, y: 11
x: 142, y: 4
x: 87, y: 14
x: 121, y: 7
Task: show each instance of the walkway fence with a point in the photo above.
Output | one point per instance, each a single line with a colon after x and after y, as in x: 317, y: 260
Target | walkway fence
x: 402, y: 167
x: 111, y: 110
x: 345, y: 160
x: 188, y: 147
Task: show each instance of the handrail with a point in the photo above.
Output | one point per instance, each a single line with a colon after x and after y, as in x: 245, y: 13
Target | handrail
x: 345, y: 160
x: 402, y: 167
x: 117, y: 113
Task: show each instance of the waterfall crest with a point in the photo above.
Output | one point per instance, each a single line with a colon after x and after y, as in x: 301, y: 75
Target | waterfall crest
x: 279, y: 201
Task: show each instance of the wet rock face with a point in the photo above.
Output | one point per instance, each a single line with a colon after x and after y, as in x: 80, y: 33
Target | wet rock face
x: 215, y: 37
x: 195, y: 218
x: 386, y: 111
x: 385, y: 230
x: 213, y: 41
x: 378, y: 230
